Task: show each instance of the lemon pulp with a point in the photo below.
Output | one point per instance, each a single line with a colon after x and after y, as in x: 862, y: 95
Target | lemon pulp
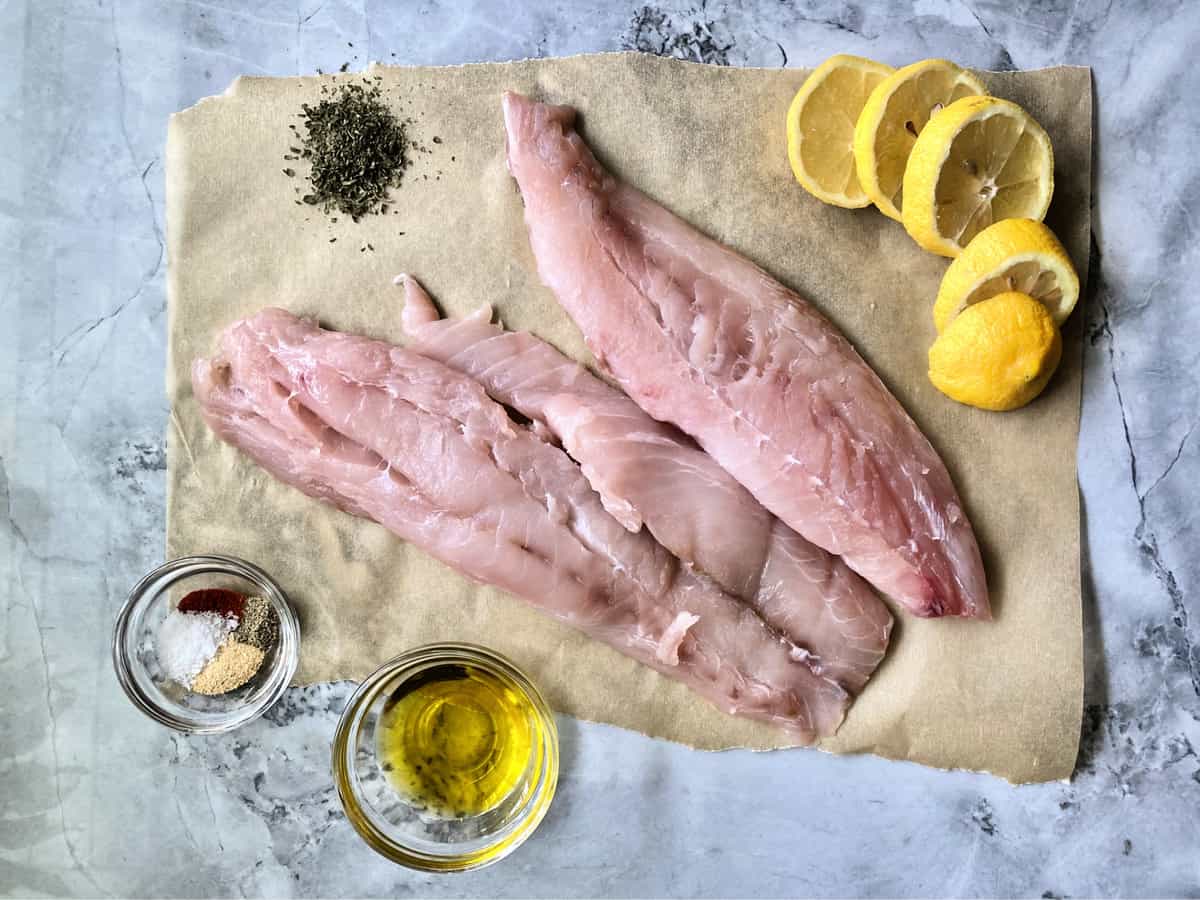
x: 897, y: 110
x: 1012, y: 255
x: 978, y: 161
x: 820, y: 127
x: 456, y: 740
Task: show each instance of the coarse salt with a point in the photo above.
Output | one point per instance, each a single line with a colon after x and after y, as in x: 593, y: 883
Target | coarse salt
x: 187, y: 641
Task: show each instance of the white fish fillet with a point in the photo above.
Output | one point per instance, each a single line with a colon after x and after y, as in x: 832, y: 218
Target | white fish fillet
x: 646, y: 471
x: 700, y: 337
x: 393, y: 436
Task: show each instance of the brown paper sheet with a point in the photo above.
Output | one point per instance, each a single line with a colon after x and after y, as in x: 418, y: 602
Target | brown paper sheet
x: 709, y: 143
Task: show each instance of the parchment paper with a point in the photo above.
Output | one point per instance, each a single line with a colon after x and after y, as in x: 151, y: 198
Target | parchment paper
x: 709, y: 143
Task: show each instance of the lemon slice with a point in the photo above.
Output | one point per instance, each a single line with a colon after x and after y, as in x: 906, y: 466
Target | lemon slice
x: 820, y: 127
x: 979, y: 160
x: 998, y: 354
x: 895, y: 113
x: 1012, y: 255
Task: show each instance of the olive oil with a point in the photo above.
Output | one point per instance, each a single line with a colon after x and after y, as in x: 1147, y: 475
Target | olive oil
x: 457, y: 739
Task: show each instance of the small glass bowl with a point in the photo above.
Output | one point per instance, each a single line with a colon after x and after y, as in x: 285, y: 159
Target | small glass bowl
x: 408, y: 833
x: 135, y: 638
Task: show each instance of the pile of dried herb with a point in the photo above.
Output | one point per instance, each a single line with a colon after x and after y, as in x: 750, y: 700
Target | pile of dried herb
x: 358, y: 150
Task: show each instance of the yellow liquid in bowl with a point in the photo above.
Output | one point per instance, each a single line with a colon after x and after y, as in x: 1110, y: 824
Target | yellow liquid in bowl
x: 457, y: 740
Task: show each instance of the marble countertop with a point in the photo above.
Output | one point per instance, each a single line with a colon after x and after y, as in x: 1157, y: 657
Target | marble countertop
x: 97, y: 800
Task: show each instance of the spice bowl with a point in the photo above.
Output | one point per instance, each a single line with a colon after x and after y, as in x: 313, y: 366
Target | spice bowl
x: 505, y: 768
x: 142, y: 673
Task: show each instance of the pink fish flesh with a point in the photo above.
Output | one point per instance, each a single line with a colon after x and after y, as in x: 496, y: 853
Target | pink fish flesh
x: 648, y: 472
x: 702, y: 338
x: 387, y: 434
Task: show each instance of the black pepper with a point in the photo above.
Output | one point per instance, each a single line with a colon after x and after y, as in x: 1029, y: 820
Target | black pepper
x: 259, y: 625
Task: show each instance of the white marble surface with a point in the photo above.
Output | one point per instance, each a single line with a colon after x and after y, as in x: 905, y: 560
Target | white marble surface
x: 96, y: 800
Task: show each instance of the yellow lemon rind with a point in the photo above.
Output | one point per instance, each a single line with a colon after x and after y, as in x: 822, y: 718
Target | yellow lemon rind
x: 981, y: 360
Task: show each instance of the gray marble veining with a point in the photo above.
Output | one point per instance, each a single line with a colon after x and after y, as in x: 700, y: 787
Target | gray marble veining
x: 96, y: 800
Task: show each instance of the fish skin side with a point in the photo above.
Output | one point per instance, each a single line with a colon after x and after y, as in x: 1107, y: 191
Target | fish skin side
x: 700, y: 337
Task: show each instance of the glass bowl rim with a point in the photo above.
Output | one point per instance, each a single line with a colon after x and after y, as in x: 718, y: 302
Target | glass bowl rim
x: 286, y: 659
x: 343, y: 751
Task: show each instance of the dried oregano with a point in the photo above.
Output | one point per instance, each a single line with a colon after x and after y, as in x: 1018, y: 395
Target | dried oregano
x: 357, y: 149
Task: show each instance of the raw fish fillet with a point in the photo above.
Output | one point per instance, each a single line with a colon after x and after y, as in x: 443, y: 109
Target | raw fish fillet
x: 390, y: 435
x: 702, y: 338
x: 648, y: 472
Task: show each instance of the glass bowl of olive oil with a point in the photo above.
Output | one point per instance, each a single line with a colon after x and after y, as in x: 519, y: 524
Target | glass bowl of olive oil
x: 446, y: 758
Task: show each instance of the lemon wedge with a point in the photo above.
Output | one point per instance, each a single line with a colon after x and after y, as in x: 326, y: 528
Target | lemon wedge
x: 997, y: 354
x: 820, y: 127
x: 1011, y: 255
x: 979, y: 160
x: 893, y: 117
